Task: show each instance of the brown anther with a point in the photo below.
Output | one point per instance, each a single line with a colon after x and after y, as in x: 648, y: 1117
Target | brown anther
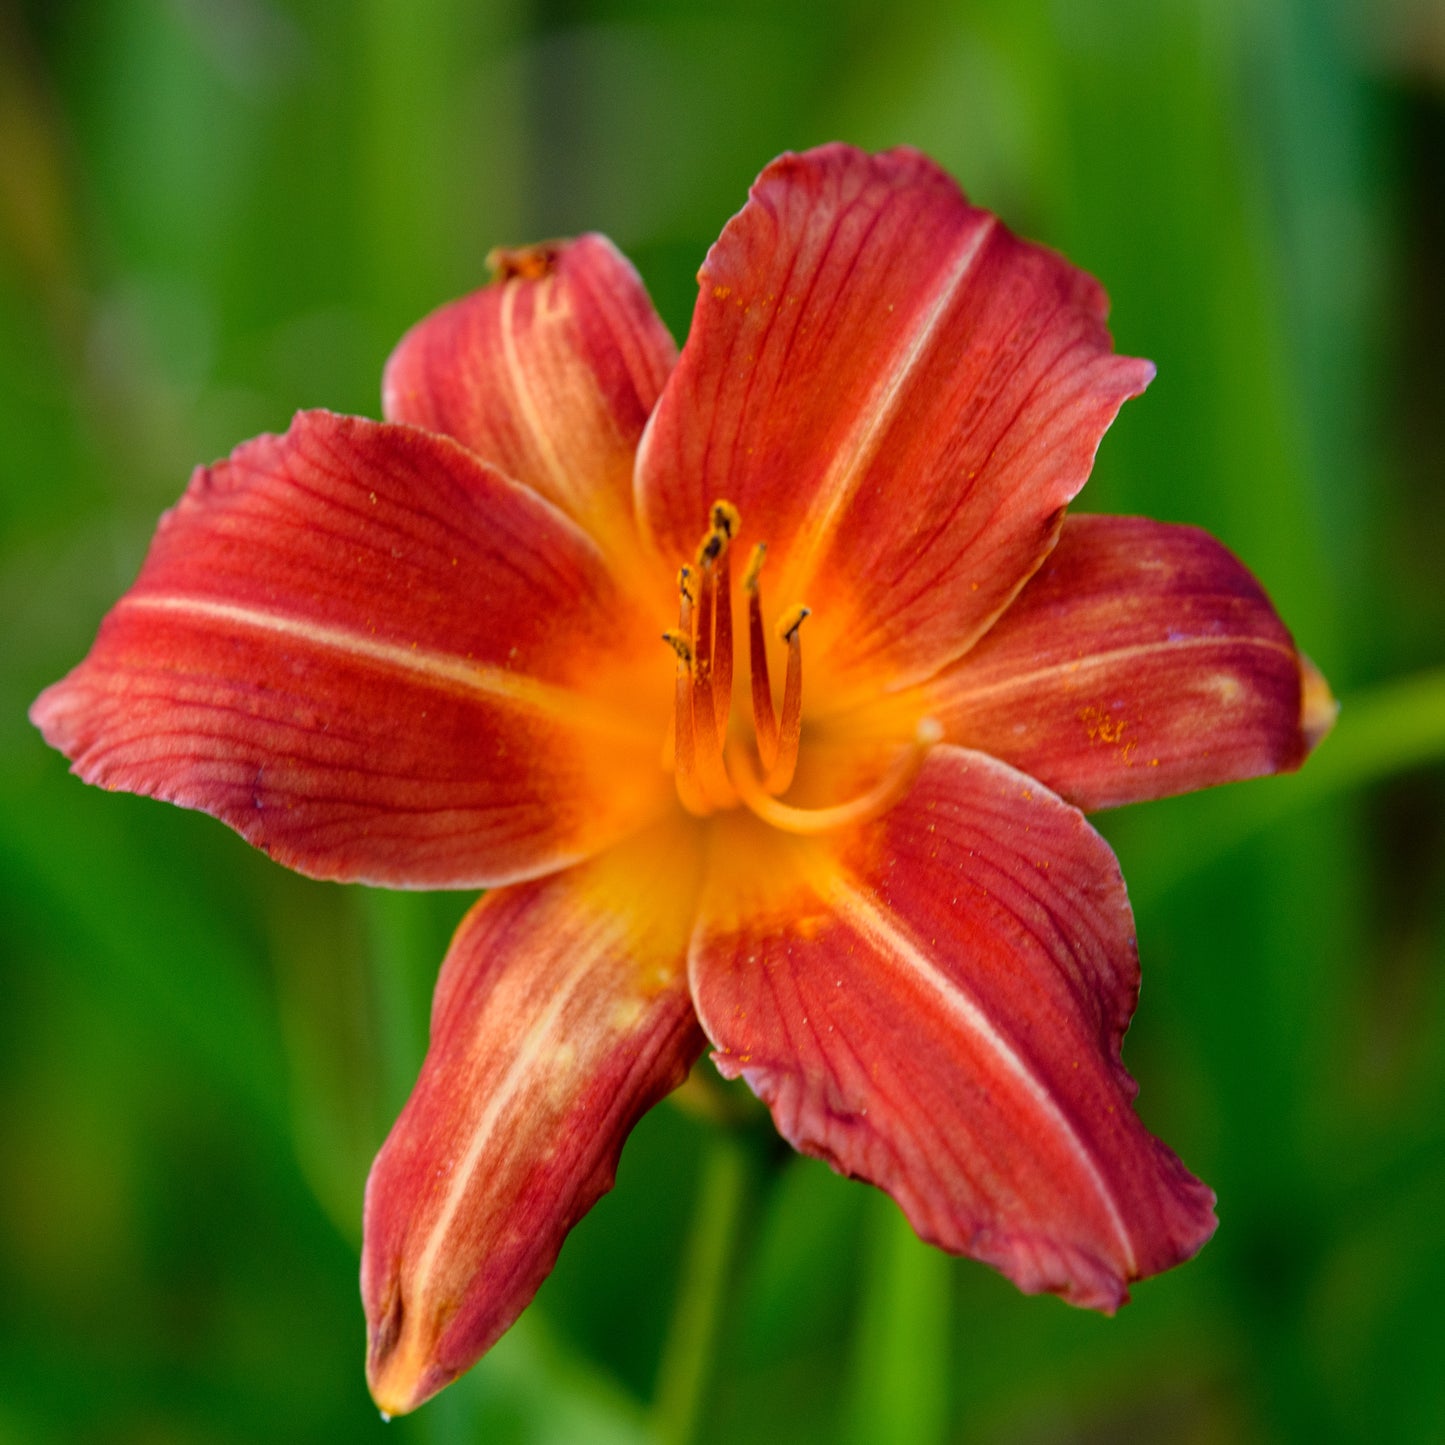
x: 704, y: 681
x: 726, y: 519
x: 524, y: 263
x: 791, y: 621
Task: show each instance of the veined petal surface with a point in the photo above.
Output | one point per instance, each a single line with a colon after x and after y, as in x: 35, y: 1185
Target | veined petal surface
x: 376, y: 659
x: 898, y: 394
x: 549, y: 373
x: 935, y: 1003
x: 562, y: 1014
x: 1142, y: 659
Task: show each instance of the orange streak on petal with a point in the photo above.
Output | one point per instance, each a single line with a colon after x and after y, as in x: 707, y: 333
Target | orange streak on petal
x: 561, y: 1015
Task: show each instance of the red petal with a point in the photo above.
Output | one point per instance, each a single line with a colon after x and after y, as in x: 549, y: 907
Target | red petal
x: 549, y: 374
x: 374, y: 658
x: 561, y: 1016
x: 897, y: 393
x: 935, y: 1003
x: 1141, y: 660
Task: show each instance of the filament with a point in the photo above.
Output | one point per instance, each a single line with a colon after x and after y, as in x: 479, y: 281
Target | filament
x: 873, y: 803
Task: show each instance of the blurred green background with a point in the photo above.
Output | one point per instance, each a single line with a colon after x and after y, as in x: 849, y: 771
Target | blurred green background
x: 213, y: 212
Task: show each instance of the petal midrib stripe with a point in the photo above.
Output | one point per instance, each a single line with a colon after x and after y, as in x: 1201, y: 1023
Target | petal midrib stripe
x: 853, y: 904
x: 537, y: 430
x: 439, y: 669
x: 851, y: 460
x: 542, y: 1040
x: 1095, y: 661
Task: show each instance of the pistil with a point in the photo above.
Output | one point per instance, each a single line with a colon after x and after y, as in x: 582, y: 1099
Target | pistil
x: 684, y: 753
x: 872, y: 803
x: 790, y: 726
x: 765, y: 723
x: 725, y: 524
x: 703, y: 644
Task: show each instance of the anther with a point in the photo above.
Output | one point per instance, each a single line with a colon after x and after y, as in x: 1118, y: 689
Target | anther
x: 704, y: 683
x: 680, y: 645
x: 755, y: 569
x: 790, y: 622
x: 726, y: 519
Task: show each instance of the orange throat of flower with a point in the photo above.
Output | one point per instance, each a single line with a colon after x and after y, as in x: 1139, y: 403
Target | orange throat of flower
x: 718, y: 766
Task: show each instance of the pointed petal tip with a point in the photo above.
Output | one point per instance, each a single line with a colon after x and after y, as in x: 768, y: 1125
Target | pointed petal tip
x: 400, y: 1372
x: 561, y: 1015
x: 1319, y: 707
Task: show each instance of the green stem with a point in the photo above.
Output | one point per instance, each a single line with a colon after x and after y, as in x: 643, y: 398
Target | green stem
x: 400, y: 951
x: 901, y: 1351
x: 682, y: 1379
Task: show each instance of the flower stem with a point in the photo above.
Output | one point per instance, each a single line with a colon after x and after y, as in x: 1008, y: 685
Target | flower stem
x: 683, y: 1377
x: 400, y: 953
x: 901, y: 1349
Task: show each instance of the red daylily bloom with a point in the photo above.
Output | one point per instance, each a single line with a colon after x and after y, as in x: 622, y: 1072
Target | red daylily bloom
x: 424, y: 653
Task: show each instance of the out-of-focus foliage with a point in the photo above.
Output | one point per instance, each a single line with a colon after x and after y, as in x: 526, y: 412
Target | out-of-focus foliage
x: 213, y: 212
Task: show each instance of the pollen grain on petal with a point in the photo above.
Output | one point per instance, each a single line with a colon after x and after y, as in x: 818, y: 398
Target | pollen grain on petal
x: 523, y: 263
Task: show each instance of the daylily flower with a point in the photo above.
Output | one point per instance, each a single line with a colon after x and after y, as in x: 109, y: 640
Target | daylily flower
x: 829, y: 825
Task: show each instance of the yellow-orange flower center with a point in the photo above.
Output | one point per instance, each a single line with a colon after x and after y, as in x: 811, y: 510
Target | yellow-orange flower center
x: 718, y: 767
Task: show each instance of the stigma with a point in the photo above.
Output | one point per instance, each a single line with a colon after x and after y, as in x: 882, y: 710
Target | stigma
x: 719, y: 766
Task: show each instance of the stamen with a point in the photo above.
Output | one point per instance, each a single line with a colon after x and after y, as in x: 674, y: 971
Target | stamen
x: 703, y: 643
x: 888, y: 790
x: 702, y: 626
x: 722, y: 641
x: 685, y: 767
x: 765, y: 724
x: 725, y: 519
x: 790, y: 622
x: 712, y: 775
x: 712, y: 663
x: 790, y: 725
x: 755, y: 568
